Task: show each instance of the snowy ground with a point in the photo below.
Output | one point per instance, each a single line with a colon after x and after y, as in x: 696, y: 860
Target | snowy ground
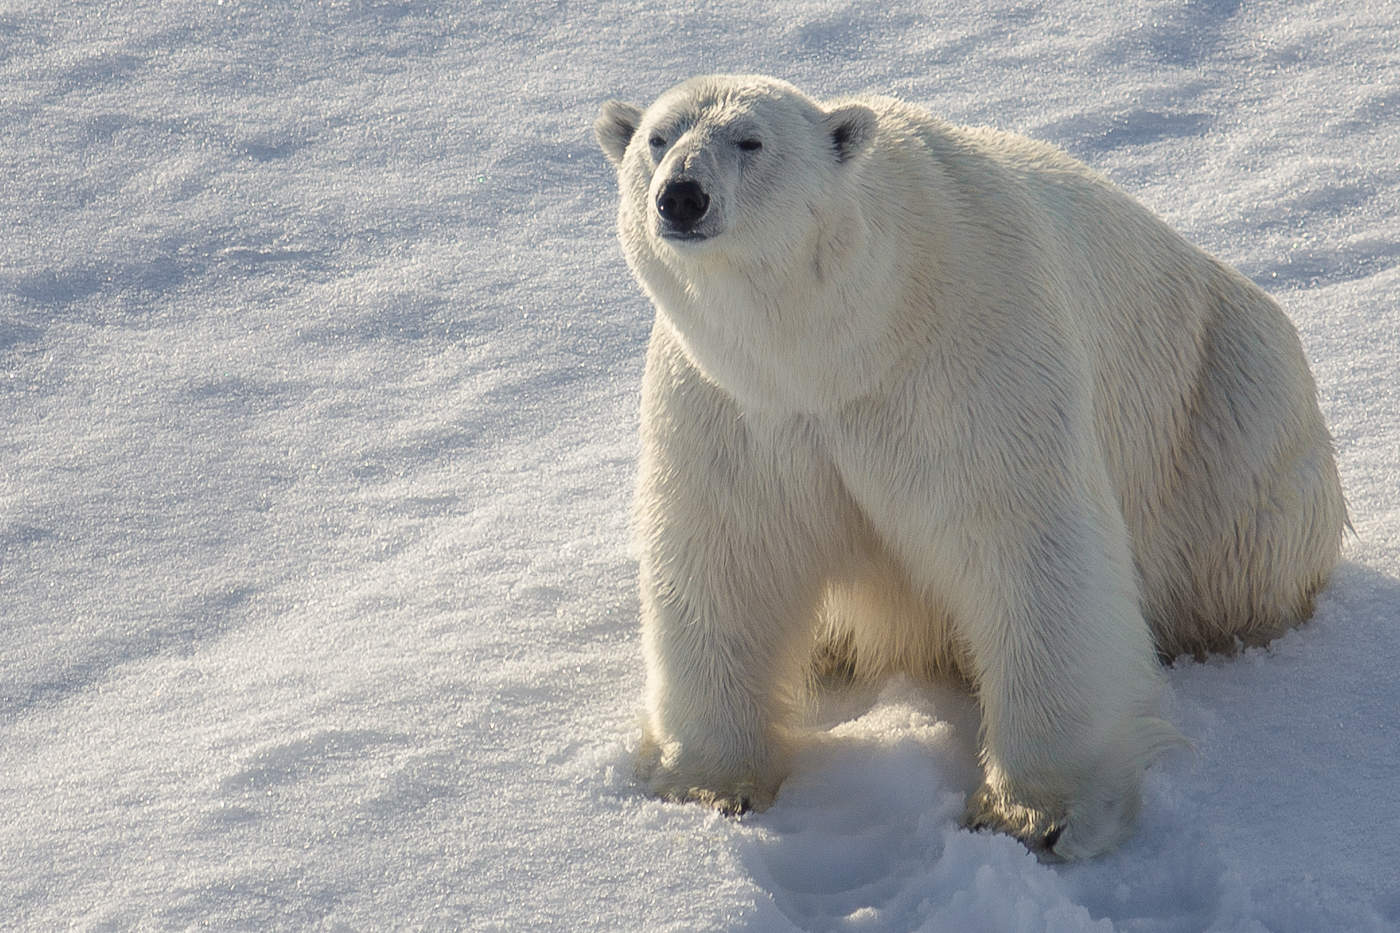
x: 318, y: 372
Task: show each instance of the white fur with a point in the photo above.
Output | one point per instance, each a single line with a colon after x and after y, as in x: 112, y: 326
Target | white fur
x: 944, y: 400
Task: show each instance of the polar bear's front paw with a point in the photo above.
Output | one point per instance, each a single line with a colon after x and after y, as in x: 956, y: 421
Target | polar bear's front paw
x: 1036, y: 828
x: 732, y: 800
x: 1098, y: 819
x: 735, y: 801
x: 671, y: 780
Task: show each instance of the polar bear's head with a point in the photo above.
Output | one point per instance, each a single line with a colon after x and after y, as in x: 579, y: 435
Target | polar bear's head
x: 746, y: 216
x: 727, y: 163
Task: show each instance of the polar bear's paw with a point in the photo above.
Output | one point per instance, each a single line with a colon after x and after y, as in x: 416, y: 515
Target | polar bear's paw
x: 736, y: 800
x: 1036, y: 828
x: 666, y: 776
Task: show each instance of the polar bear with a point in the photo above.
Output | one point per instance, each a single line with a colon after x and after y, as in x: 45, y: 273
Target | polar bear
x: 943, y: 400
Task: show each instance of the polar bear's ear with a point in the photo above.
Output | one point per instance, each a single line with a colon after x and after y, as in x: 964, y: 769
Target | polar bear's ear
x: 614, y: 128
x: 851, y: 128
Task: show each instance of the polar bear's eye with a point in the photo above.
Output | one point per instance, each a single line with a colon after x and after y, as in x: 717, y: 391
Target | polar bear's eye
x: 750, y: 145
x: 657, y: 142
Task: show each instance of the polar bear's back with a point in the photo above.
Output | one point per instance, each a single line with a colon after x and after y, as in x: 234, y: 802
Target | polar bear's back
x: 1204, y: 405
x: 1208, y: 417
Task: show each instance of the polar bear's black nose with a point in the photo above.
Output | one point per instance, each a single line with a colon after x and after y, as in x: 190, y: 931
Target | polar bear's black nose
x: 682, y: 202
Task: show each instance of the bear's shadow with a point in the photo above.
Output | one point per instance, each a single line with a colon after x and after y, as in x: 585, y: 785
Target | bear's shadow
x: 873, y: 803
x: 878, y: 783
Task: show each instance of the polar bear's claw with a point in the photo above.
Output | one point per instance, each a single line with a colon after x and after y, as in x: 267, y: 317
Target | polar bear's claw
x: 1036, y: 829
x: 732, y: 803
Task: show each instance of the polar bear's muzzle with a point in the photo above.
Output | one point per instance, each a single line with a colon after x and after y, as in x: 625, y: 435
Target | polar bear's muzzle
x: 682, y: 205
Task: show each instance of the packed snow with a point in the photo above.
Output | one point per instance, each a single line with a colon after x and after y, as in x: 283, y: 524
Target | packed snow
x: 318, y: 390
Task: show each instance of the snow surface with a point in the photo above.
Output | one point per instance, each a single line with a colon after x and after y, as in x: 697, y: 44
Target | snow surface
x: 318, y: 378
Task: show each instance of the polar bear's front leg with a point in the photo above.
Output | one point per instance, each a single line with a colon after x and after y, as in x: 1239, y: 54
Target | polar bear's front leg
x: 720, y: 644
x: 728, y: 607
x: 1066, y: 679
x: 738, y: 521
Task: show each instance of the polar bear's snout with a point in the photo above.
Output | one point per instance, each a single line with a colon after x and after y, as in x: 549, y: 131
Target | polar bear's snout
x: 682, y: 204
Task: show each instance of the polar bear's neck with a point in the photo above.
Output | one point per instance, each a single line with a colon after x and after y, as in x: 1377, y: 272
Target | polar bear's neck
x: 802, y: 327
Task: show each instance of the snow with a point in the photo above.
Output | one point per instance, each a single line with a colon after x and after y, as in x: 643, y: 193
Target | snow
x: 318, y: 378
